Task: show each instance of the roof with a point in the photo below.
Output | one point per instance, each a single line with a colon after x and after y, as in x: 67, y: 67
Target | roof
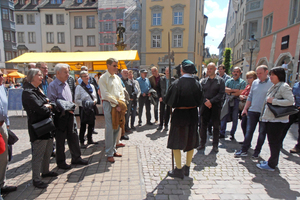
x: 96, y: 59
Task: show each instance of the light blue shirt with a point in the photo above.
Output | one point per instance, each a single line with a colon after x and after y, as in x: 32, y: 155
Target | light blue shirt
x: 144, y: 85
x: 3, y: 105
x: 258, y: 94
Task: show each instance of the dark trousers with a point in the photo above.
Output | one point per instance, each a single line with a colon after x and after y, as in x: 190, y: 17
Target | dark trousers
x: 144, y: 100
x: 292, y: 119
x: 234, y: 111
x: 206, y: 116
x: 65, y: 130
x: 133, y: 112
x: 156, y: 109
x: 274, y: 133
x: 83, y: 129
x: 252, y: 120
x: 244, y: 124
x: 128, y: 115
x: 164, y: 114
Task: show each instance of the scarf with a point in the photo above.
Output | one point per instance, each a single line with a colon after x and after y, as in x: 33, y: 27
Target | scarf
x: 88, y: 86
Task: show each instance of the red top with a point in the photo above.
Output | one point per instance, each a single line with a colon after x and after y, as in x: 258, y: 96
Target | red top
x: 246, y: 91
x: 2, y: 144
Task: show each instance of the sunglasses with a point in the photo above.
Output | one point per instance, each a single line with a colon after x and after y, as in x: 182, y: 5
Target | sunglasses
x: 115, y: 65
x: 1, y: 75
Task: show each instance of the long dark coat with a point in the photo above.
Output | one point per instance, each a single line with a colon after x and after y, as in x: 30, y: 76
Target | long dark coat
x: 184, y: 92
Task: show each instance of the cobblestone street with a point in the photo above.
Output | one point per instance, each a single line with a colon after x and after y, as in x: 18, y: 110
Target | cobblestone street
x: 141, y: 172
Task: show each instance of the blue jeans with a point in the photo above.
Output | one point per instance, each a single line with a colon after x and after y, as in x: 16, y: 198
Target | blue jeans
x: 261, y: 137
x: 252, y: 119
x: 234, y: 111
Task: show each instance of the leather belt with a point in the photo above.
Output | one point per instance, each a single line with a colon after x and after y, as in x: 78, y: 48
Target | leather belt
x: 185, y: 108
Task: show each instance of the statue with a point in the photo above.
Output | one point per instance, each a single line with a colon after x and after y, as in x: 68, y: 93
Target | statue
x: 120, y: 31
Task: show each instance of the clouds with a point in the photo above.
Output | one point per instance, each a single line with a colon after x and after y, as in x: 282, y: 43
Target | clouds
x: 216, y: 11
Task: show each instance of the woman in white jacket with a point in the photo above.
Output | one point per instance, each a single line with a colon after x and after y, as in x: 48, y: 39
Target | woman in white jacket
x: 83, y: 93
x: 279, y: 94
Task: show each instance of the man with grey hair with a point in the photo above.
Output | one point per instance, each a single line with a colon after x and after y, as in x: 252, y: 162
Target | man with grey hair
x: 233, y: 89
x: 129, y: 88
x: 59, y: 89
x: 46, y: 79
x: 4, y: 125
x: 254, y: 106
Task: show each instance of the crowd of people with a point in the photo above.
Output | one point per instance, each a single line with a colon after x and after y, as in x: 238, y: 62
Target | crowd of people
x: 198, y: 108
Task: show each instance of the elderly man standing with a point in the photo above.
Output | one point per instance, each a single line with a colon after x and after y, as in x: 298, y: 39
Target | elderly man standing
x: 112, y: 93
x: 214, y: 89
x: 4, y: 124
x: 233, y: 89
x: 154, y: 79
x: 144, y: 97
x: 59, y: 89
x: 46, y: 79
x: 130, y: 89
x: 136, y: 94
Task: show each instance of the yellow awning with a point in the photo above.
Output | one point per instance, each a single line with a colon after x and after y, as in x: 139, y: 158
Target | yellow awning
x: 16, y: 74
x: 77, y: 59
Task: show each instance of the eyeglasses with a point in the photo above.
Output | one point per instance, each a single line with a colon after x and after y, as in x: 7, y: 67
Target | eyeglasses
x: 250, y: 77
x: 44, y: 67
x: 115, y: 65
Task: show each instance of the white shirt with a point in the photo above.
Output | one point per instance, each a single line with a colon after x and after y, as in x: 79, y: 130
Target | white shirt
x: 82, y: 95
x: 111, y: 88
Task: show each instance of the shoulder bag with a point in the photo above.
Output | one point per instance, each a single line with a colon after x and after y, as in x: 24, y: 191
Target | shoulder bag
x: 280, y: 111
x: 43, y: 127
x: 95, y: 107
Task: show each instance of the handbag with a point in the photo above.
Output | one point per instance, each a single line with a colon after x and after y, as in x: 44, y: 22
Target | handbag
x: 43, y: 127
x: 280, y: 111
x: 242, y: 104
x: 12, y: 138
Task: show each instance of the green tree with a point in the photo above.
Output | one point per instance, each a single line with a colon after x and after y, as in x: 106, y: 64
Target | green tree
x: 209, y: 60
x: 227, y: 60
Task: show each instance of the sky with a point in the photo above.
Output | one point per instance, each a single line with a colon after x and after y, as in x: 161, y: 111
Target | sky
x: 216, y: 11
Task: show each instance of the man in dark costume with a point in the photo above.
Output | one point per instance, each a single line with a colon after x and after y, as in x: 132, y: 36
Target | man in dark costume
x: 185, y: 95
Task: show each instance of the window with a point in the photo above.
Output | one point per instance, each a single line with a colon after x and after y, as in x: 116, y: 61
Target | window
x: 50, y: 37
x: 268, y: 23
x: 31, y: 37
x: 156, y: 19
x: 49, y: 19
x: 177, y: 18
x: 34, y: 2
x: 13, y: 36
x: 294, y: 15
x: 8, y: 55
x: 22, y: 2
x: 79, y: 1
x: 156, y: 41
x: 134, y: 23
x: 107, y: 26
x: 21, y: 37
x: 61, y: 37
x: 6, y: 35
x: 91, y: 40
x: 5, y: 14
x: 55, y: 1
x: 252, y: 28
x: 177, y: 40
x: 90, y: 21
x: 19, y: 19
x: 11, y: 15
x: 60, y: 19
x: 77, y: 22
x: 177, y: 35
x: 78, y: 41
x: 30, y: 19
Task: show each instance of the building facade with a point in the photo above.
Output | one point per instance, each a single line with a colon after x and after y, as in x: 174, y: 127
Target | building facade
x: 281, y: 36
x: 244, y: 20
x: 126, y: 13
x: 186, y: 28
x: 9, y: 32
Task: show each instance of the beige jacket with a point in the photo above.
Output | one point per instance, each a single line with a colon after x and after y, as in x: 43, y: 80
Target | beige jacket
x: 283, y: 97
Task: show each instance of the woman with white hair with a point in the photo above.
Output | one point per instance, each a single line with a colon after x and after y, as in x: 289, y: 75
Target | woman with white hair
x: 38, y: 108
x: 86, y: 99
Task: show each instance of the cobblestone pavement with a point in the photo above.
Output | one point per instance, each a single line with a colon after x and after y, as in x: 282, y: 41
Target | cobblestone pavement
x: 141, y: 172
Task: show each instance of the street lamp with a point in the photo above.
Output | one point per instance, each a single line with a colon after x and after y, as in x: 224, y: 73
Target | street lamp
x: 252, y: 42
